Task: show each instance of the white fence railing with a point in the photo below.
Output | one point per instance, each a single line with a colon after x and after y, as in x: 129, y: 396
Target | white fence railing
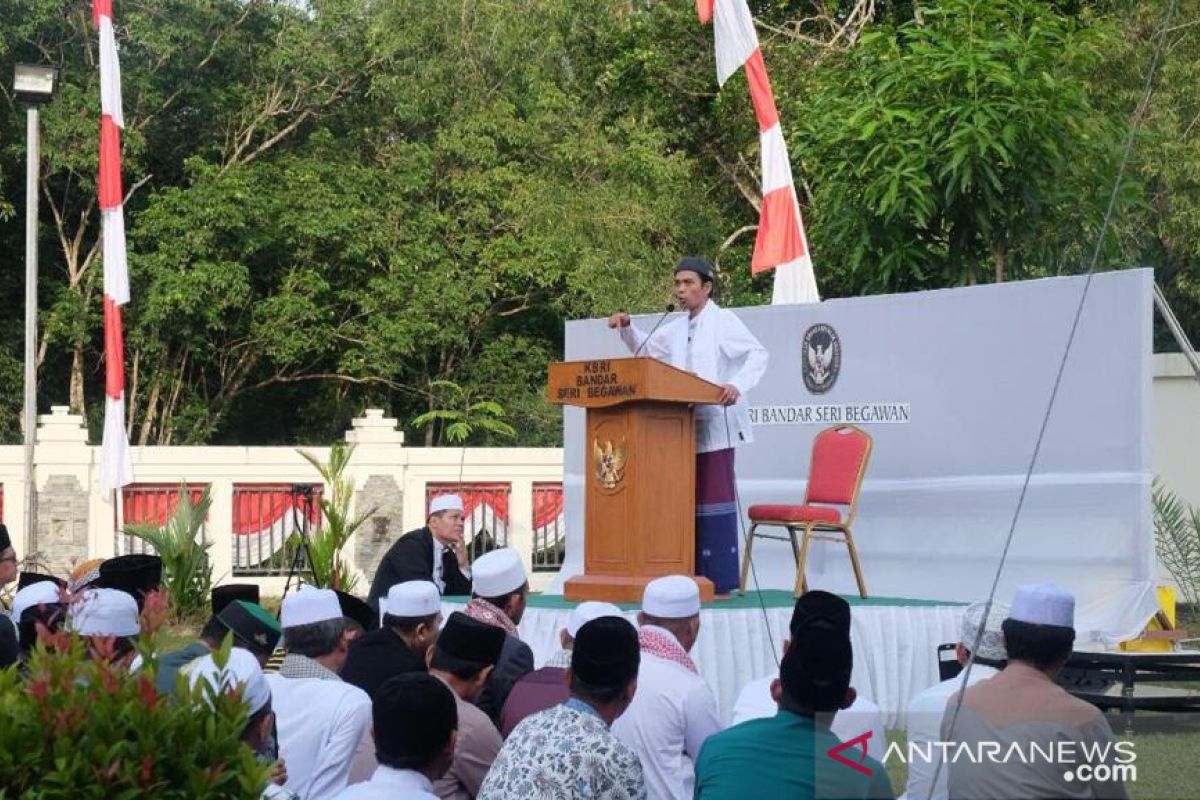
x: 260, y: 501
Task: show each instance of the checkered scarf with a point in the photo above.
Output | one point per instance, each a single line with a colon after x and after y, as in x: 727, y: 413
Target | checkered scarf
x: 297, y: 666
x: 485, y: 612
x: 659, y: 642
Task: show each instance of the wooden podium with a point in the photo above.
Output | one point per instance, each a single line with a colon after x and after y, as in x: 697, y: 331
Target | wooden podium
x: 639, y: 472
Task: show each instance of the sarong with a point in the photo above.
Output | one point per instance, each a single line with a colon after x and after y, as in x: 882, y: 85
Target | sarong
x: 716, y: 520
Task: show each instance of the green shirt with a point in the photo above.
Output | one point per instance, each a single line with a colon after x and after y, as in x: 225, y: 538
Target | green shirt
x: 170, y: 664
x: 784, y: 757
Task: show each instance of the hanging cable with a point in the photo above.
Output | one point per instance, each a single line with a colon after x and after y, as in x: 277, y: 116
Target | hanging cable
x: 737, y: 502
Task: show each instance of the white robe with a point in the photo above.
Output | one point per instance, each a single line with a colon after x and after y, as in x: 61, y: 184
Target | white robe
x: 722, y: 351
x: 925, y: 714
x: 755, y: 702
x: 671, y: 715
x: 321, y: 724
x: 390, y: 784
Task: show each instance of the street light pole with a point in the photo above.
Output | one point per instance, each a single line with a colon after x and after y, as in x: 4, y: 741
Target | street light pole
x: 32, y: 166
x: 33, y: 85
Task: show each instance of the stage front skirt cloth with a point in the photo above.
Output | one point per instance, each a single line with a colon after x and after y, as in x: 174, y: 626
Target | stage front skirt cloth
x: 895, y: 643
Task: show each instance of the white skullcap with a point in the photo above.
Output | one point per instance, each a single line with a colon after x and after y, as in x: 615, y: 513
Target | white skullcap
x: 497, y: 573
x: 1043, y: 604
x: 672, y: 597
x: 242, y: 670
x: 445, y: 502
x: 991, y: 645
x: 35, y: 594
x: 588, y: 611
x: 309, y: 605
x: 105, y: 612
x: 412, y: 599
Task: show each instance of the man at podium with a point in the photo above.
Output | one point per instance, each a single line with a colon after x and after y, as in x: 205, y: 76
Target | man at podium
x: 712, y: 343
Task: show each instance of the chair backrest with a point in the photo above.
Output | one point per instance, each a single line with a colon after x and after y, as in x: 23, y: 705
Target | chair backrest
x: 839, y: 459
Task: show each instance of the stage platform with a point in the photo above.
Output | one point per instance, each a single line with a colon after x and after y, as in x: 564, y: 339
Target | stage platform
x: 895, y: 642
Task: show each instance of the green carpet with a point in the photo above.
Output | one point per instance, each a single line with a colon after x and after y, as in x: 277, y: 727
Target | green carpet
x: 771, y: 598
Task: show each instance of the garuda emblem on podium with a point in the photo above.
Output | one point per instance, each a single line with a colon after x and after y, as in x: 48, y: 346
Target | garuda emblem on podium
x: 609, y: 462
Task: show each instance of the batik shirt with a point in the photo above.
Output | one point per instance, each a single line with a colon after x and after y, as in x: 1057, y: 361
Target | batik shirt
x: 564, y: 753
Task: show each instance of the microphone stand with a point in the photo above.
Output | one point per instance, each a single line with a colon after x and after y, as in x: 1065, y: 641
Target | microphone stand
x: 649, y: 336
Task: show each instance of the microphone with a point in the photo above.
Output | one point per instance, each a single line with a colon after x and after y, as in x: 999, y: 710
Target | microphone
x: 670, y: 308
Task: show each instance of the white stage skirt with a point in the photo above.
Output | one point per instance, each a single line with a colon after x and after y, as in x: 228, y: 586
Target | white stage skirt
x: 895, y: 647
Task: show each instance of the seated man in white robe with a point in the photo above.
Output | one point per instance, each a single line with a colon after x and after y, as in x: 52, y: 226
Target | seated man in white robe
x: 925, y: 712
x: 674, y: 711
x: 243, y: 674
x: 323, y: 721
x: 416, y: 719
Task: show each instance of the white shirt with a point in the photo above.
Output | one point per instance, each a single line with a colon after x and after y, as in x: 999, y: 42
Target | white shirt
x: 721, y: 350
x: 755, y: 702
x: 671, y: 715
x: 925, y: 714
x: 390, y: 784
x: 320, y: 723
x: 438, y: 549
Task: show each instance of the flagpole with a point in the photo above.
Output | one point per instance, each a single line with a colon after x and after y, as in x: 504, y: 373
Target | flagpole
x: 119, y: 518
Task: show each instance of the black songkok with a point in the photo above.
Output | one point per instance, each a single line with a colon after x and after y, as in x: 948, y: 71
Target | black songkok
x: 414, y: 715
x: 606, y: 652
x: 135, y: 574
x: 470, y: 641
x: 698, y: 265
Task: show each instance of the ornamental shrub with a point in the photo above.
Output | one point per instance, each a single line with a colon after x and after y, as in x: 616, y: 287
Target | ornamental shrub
x: 74, y: 726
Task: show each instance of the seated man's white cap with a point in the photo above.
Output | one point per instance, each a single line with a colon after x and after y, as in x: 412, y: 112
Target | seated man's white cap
x: 309, y: 605
x: 497, y: 573
x: 242, y: 671
x: 35, y: 594
x: 671, y: 597
x: 105, y: 612
x: 412, y: 599
x: 445, y: 502
x: 991, y: 644
x: 1043, y: 604
x: 587, y: 611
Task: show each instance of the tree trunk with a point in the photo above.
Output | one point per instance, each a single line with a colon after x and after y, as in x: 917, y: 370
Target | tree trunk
x: 151, y: 409
x: 76, y: 392
x: 999, y: 259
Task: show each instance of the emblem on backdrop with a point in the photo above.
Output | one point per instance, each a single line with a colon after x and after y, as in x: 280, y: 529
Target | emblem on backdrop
x: 820, y: 358
x: 609, y: 462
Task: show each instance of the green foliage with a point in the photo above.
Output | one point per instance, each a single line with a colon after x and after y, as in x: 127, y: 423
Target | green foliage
x: 944, y: 150
x: 325, y: 565
x: 464, y: 417
x: 78, y: 727
x: 1177, y: 540
x: 187, y: 569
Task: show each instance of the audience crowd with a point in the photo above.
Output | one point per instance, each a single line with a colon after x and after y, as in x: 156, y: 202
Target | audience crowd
x: 350, y: 701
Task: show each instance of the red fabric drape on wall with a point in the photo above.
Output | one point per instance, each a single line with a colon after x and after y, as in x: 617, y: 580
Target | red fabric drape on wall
x: 547, y: 504
x: 493, y: 494
x: 258, y: 507
x: 154, y: 503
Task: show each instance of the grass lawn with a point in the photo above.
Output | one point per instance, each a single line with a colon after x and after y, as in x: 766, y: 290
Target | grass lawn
x: 1167, y: 766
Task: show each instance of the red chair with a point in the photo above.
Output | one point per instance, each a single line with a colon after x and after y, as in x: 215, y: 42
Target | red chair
x: 839, y: 460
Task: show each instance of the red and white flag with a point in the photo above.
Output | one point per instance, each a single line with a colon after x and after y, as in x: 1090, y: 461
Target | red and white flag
x: 781, y: 243
x: 116, y: 469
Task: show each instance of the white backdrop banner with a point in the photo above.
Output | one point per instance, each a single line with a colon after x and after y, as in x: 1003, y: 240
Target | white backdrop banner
x: 953, y: 386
